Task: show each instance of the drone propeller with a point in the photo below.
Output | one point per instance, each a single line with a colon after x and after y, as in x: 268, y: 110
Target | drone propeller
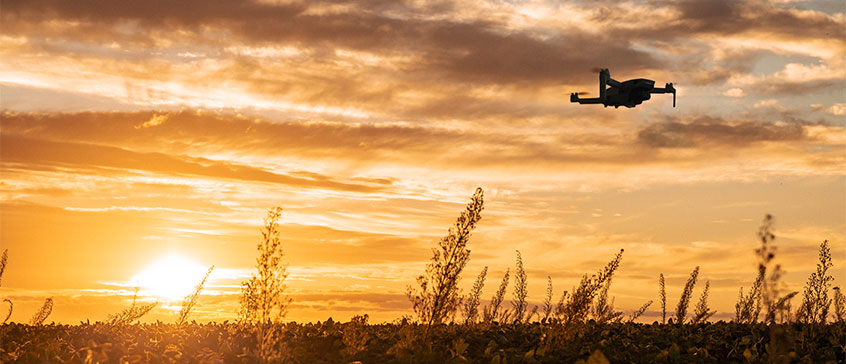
x: 582, y: 93
x: 596, y: 69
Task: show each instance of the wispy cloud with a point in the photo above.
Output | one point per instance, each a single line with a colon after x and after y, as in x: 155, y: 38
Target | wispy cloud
x: 156, y: 120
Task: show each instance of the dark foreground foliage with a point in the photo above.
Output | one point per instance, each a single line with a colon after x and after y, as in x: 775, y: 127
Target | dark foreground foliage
x: 332, y: 342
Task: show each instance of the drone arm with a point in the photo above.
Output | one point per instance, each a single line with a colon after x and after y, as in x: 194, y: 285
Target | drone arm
x: 574, y: 97
x: 668, y: 89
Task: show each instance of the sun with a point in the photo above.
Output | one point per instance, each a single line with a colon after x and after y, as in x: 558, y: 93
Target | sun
x: 170, y: 278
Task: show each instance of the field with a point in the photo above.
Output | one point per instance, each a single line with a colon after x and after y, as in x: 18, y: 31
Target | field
x: 332, y: 342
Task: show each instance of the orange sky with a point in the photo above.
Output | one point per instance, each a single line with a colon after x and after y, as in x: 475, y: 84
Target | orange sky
x: 142, y: 135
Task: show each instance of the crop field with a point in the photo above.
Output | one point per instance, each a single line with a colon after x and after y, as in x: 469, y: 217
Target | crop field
x: 333, y: 342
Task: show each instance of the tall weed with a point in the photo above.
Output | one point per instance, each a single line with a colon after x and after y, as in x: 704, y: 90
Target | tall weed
x: 437, y: 296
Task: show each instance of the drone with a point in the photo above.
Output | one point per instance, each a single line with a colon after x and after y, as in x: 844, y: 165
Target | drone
x: 628, y: 93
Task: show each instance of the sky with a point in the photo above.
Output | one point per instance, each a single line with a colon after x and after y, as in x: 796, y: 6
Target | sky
x: 143, y: 141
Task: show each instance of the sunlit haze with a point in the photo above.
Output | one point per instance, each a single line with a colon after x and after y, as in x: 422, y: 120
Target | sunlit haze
x: 142, y: 142
x: 169, y: 278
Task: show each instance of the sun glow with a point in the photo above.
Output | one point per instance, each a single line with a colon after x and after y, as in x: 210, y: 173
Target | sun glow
x: 170, y: 278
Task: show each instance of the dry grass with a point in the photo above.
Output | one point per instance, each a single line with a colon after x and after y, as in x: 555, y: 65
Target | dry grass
x: 702, y: 312
x: 815, y: 302
x: 521, y: 291
x: 3, y: 260
x: 471, y: 303
x: 263, y: 300
x: 684, y: 300
x: 547, y: 301
x: 39, y: 317
x: 437, y: 296
x: 637, y: 313
x: 132, y: 313
x: 263, y: 297
x: 579, y: 304
x: 190, y: 300
x: 492, y: 311
x: 839, y: 306
x: 662, y: 294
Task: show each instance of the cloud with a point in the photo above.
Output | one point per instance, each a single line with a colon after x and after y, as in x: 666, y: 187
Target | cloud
x: 16, y: 149
x: 731, y: 17
x: 156, y: 120
x: 734, y: 92
x: 837, y: 109
x: 766, y: 103
x: 793, y: 79
x: 199, y: 133
x: 706, y: 131
x: 468, y: 50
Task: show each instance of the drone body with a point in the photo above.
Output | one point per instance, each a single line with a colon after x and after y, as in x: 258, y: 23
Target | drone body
x: 628, y: 93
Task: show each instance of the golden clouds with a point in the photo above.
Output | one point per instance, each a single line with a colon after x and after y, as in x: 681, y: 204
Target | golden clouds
x: 156, y: 120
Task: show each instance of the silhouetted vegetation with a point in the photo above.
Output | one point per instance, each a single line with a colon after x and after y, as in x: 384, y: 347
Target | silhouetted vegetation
x: 492, y: 311
x: 521, y: 291
x: 662, y: 294
x: 839, y: 305
x: 437, y: 296
x: 684, y: 300
x: 263, y: 300
x: 702, y: 312
x: 471, y: 303
x: 547, y: 301
x: 42, y: 314
x: 579, y: 304
x: 815, y: 302
x: 3, y: 259
x: 133, y: 313
x: 190, y: 300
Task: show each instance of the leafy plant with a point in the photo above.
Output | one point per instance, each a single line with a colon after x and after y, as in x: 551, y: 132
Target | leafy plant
x: 356, y: 336
x: 520, y: 290
x: 815, y: 301
x: 190, y: 300
x: 438, y: 296
x: 684, y: 301
x: 471, y: 304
